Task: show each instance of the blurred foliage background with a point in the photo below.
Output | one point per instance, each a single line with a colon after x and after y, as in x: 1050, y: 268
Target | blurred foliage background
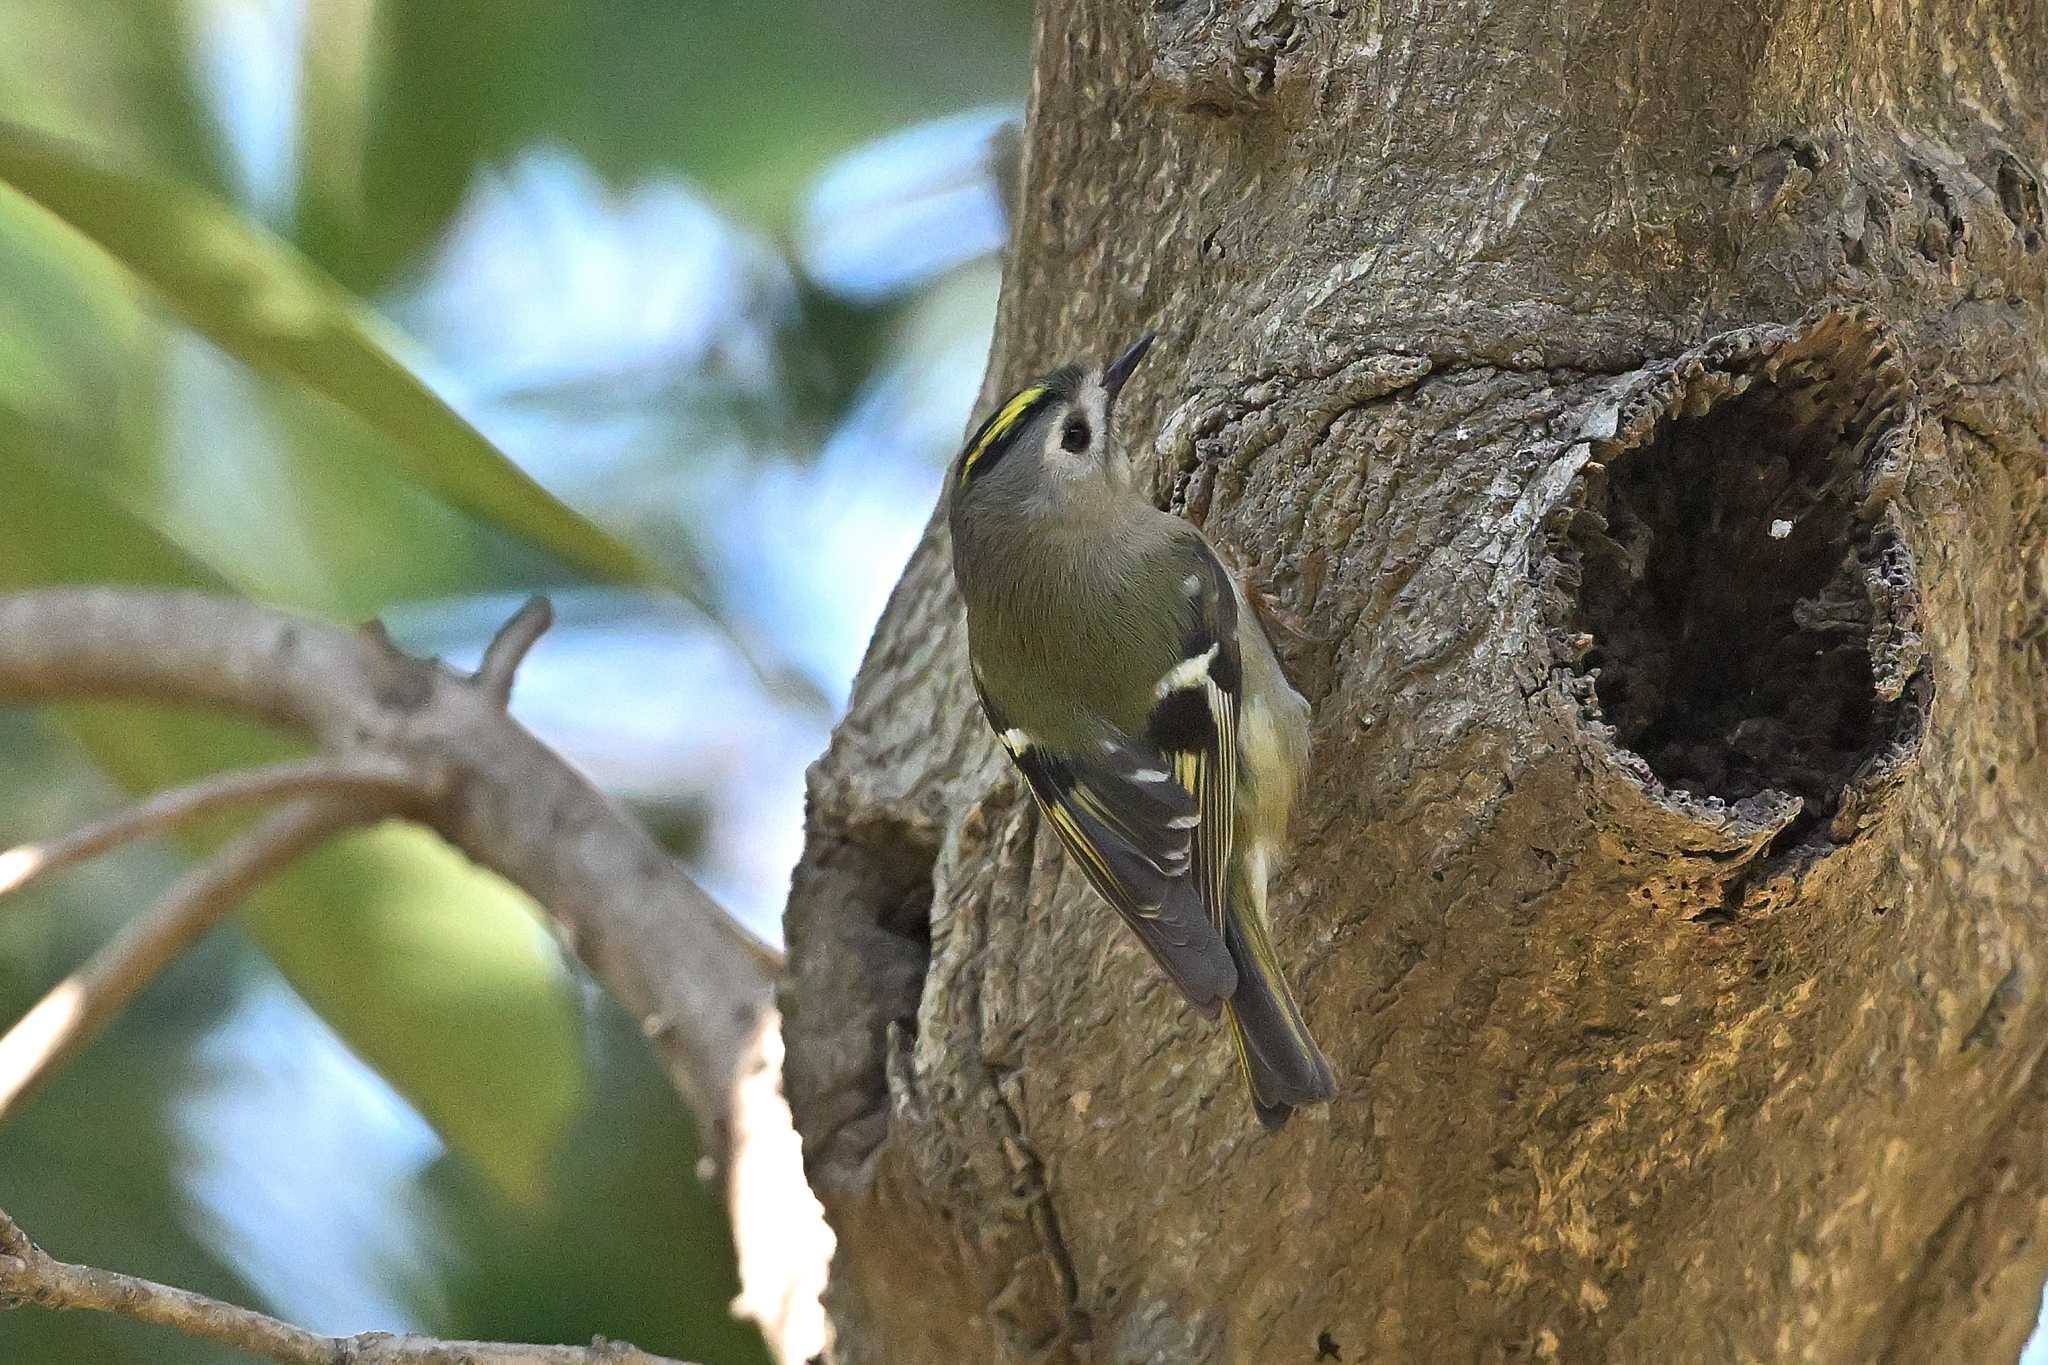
x: 671, y: 308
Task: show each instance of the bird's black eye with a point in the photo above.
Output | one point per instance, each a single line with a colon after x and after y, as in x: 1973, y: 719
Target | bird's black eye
x: 1074, y: 436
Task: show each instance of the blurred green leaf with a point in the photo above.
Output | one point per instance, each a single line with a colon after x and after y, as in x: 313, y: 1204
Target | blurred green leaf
x: 288, y: 497
x: 113, y: 76
x: 439, y: 975
x: 262, y: 302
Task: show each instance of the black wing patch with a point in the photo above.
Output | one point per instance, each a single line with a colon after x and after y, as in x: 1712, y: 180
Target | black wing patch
x: 1194, y: 724
x: 1131, y: 827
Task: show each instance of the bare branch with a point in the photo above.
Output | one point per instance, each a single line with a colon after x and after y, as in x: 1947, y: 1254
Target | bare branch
x: 28, y: 1275
x: 73, y: 1014
x: 669, y: 953
x: 388, y: 779
x: 509, y: 647
x: 700, y: 984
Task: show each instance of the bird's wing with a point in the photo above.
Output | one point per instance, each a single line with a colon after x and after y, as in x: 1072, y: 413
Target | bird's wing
x: 1131, y: 825
x: 1194, y: 723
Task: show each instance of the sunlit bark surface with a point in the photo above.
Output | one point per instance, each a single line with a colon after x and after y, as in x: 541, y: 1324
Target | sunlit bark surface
x: 1645, y: 405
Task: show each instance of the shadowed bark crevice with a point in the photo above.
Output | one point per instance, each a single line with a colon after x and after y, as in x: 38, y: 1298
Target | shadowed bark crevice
x: 1224, y: 61
x: 875, y: 966
x: 2019, y: 195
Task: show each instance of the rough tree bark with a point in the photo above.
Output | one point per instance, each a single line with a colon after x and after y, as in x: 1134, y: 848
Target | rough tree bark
x: 1645, y: 403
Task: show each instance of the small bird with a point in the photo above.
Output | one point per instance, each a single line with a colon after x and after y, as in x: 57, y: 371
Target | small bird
x: 1124, y: 671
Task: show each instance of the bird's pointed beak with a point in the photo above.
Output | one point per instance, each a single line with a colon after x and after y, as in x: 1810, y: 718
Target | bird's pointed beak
x: 1120, y: 369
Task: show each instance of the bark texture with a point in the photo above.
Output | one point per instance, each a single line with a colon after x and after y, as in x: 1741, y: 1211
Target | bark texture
x: 1646, y: 406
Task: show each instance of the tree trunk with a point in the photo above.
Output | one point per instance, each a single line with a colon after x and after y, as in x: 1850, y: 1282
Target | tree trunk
x: 1645, y: 405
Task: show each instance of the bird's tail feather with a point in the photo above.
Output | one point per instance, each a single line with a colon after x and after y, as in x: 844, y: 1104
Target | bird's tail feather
x: 1282, y: 1064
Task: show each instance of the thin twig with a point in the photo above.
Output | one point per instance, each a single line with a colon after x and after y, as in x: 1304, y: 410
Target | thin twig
x: 372, y: 774
x: 73, y: 1014
x: 508, y: 649
x: 29, y: 1275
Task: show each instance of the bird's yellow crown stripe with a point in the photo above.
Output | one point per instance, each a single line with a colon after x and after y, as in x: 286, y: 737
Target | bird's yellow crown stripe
x: 999, y: 426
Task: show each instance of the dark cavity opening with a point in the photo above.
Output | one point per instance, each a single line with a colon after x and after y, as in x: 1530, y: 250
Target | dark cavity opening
x: 904, y: 915
x: 1735, y: 588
